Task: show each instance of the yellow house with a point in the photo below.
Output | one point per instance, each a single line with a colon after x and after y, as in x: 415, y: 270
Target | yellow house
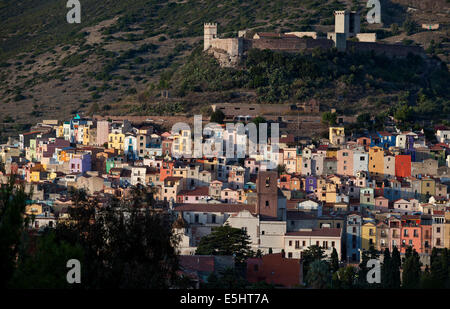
x: 337, y: 135
x: 35, y: 176
x: 116, y: 141
x: 60, y: 131
x: 332, y: 152
x: 376, y: 161
x: 52, y: 175
x: 182, y: 142
x: 368, y: 235
x: 299, y: 164
x: 447, y: 230
x: 33, y: 209
x: 428, y: 186
x: 86, y: 135
x: 321, y: 189
x: 331, y: 193
x: 242, y: 196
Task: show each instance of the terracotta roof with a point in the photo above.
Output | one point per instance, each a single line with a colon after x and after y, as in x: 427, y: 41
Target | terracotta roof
x: 299, y: 215
x: 223, y: 208
x: 196, y: 192
x: 197, y: 262
x: 324, y: 232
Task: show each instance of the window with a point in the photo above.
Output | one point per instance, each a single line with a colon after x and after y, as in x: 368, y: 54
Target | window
x: 297, y: 244
x: 267, y: 203
x: 290, y: 243
x: 267, y: 181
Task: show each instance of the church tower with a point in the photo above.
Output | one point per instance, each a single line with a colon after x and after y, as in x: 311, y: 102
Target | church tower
x: 267, y: 194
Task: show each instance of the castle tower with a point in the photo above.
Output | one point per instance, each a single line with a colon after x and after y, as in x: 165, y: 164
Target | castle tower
x: 209, y: 33
x: 347, y: 22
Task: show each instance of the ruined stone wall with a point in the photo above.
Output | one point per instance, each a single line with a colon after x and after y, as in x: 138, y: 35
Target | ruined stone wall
x: 233, y: 46
x: 387, y: 49
x: 367, y: 37
x: 291, y: 44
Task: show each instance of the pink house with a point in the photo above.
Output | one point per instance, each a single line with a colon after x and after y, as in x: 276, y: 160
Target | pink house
x: 102, y: 132
x: 251, y: 165
x: 381, y: 203
x: 345, y: 162
x: 215, y: 188
x: 198, y: 195
x: 229, y: 196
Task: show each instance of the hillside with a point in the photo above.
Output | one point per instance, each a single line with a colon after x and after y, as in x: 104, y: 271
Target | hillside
x: 124, y: 52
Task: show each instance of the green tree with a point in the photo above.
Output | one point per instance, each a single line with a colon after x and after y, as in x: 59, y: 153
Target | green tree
x: 403, y: 113
x: 319, y: 275
x: 311, y: 254
x: 229, y: 278
x: 334, y: 260
x: 12, y: 207
x: 281, y: 169
x: 411, y: 271
x: 46, y: 267
x: 396, y: 263
x: 395, y: 29
x: 345, y: 278
x: 217, y: 116
x: 387, y: 280
x: 329, y: 118
x: 409, y: 26
x: 439, y: 272
x: 226, y: 240
x: 139, y: 251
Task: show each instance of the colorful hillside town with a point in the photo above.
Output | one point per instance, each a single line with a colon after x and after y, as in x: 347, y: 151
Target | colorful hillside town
x: 344, y: 193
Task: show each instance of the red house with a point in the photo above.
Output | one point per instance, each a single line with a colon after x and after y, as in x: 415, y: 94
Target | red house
x: 275, y: 269
x: 403, y: 166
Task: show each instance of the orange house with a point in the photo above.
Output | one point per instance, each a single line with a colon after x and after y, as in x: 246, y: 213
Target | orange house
x: 166, y: 170
x: 296, y: 183
x: 284, y: 182
x: 376, y: 161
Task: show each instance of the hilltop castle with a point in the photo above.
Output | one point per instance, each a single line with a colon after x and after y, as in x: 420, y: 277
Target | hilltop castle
x: 347, y: 25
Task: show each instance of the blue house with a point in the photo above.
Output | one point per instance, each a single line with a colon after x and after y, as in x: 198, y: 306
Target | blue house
x: 383, y: 140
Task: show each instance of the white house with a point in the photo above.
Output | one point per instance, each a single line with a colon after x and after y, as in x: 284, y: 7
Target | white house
x: 326, y: 238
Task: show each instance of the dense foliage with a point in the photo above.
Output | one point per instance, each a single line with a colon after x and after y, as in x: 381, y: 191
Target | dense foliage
x: 413, y: 88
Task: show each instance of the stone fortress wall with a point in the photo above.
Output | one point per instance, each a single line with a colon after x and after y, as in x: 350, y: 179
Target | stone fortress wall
x: 229, y: 51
